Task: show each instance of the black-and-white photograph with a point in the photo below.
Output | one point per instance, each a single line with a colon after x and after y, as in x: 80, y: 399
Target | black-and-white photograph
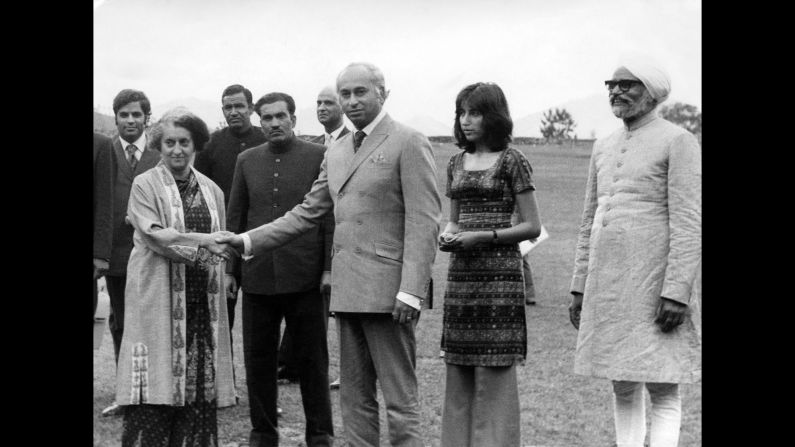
x: 454, y: 223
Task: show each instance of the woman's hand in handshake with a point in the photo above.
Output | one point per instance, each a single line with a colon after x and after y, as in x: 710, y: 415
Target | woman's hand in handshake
x: 224, y: 250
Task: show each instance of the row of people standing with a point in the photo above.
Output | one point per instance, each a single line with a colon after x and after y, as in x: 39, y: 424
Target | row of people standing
x: 380, y: 184
x: 297, y: 263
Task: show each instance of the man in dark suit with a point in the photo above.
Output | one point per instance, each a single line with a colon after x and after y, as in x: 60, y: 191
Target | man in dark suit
x: 103, y: 206
x: 329, y: 114
x: 381, y: 184
x: 286, y: 283
x: 132, y: 111
x: 217, y: 160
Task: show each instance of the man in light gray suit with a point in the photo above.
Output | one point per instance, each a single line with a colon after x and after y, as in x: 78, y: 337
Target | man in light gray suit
x: 381, y: 183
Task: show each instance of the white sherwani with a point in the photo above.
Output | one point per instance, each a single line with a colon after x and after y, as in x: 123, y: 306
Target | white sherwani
x: 640, y: 238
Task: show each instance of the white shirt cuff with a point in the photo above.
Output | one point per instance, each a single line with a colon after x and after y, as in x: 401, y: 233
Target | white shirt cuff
x: 246, y: 247
x: 409, y: 299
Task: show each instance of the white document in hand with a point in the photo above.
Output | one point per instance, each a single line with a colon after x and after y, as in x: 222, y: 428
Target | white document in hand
x: 526, y: 246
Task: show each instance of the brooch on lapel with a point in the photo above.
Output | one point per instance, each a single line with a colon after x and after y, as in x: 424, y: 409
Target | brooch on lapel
x: 378, y: 158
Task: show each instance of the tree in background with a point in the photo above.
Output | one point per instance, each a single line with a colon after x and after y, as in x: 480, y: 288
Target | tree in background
x: 683, y: 115
x: 557, y: 125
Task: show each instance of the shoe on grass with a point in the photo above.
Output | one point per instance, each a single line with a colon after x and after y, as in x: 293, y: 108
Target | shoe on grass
x: 113, y: 410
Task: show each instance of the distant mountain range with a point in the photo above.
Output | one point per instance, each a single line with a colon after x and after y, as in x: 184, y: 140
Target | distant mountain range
x: 592, y: 116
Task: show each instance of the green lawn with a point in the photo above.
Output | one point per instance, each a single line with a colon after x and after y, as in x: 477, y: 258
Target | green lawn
x: 558, y: 408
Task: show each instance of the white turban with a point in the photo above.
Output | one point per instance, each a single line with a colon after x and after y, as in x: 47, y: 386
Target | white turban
x: 656, y: 80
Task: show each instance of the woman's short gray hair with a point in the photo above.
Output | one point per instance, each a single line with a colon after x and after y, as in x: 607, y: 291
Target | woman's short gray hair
x: 184, y: 118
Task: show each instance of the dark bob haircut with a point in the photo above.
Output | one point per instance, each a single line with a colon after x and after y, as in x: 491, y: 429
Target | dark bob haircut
x: 127, y: 96
x: 489, y: 100
x: 237, y: 88
x: 272, y: 97
x: 180, y: 117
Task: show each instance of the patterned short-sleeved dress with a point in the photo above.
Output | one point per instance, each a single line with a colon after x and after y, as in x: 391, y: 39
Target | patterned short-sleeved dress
x: 484, y: 314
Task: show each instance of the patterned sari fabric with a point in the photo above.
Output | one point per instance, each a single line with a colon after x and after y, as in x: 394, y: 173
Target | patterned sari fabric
x: 484, y: 314
x: 195, y: 423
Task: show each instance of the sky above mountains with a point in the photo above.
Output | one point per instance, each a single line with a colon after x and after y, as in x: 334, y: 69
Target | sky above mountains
x: 543, y: 54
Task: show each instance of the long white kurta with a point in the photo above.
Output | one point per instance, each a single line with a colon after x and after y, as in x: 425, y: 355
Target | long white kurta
x: 640, y: 238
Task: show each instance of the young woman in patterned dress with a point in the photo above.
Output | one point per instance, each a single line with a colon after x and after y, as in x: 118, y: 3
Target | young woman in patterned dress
x: 484, y: 335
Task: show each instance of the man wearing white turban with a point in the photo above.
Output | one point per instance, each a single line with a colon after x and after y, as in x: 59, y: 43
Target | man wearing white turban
x: 637, y: 270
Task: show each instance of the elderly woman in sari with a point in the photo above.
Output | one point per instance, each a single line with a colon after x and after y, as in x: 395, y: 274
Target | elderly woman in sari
x: 637, y: 268
x: 174, y: 369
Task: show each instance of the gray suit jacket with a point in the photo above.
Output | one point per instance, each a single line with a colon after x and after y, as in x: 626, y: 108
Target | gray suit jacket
x: 387, y: 211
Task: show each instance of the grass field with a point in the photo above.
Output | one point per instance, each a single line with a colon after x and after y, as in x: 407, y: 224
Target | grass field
x: 558, y: 408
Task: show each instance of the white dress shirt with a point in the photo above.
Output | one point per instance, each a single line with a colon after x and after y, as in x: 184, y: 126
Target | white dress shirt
x: 329, y: 138
x: 139, y: 144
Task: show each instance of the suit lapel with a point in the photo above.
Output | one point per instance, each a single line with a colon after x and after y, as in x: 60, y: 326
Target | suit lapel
x: 121, y: 158
x: 322, y: 138
x: 370, y: 143
x: 149, y: 159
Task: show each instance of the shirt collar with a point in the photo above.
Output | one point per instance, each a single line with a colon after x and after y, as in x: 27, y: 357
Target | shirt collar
x: 283, y: 148
x: 240, y: 135
x: 368, y: 129
x: 336, y: 133
x: 642, y: 121
x: 140, y: 144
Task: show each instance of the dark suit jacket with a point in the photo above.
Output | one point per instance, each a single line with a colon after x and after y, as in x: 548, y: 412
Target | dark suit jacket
x: 103, y: 196
x: 321, y: 139
x: 122, y: 231
x: 267, y: 183
x: 218, y: 158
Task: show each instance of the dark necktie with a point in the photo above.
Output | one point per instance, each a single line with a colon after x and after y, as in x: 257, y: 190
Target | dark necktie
x: 131, y: 156
x: 357, y: 140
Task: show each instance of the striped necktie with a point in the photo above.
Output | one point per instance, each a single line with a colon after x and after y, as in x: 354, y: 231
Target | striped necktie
x: 131, y: 156
x: 357, y: 140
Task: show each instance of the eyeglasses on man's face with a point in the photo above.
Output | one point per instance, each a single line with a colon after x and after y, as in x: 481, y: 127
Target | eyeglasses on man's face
x: 624, y: 84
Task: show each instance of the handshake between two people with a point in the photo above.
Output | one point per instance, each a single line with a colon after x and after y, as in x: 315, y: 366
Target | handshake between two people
x: 224, y: 244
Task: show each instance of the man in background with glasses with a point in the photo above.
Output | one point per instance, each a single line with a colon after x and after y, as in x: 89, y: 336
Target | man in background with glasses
x: 637, y: 268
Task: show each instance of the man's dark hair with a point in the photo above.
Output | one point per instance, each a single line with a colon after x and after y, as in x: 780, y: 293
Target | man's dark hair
x: 272, y: 97
x: 127, y: 96
x: 489, y: 100
x: 180, y: 117
x: 237, y: 88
